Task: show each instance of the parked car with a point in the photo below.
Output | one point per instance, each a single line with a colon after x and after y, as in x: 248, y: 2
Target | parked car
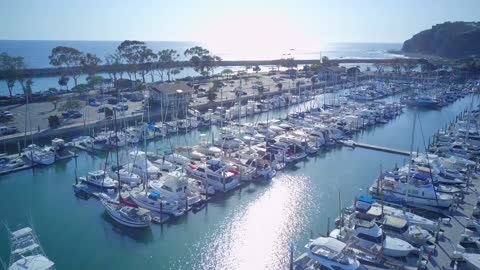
x: 94, y: 103
x: 72, y: 114
x: 7, y: 114
x: 4, y: 130
x: 112, y: 101
x: 121, y: 107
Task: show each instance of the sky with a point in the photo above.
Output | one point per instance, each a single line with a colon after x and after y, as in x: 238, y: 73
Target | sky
x: 224, y: 23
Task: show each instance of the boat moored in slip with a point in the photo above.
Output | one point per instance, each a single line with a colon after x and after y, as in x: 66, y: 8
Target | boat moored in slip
x: 154, y: 202
x: 99, y: 179
x: 39, y: 155
x: 127, y: 215
x: 26, y: 251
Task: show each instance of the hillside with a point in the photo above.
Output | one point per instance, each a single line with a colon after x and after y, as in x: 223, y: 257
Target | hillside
x: 449, y: 40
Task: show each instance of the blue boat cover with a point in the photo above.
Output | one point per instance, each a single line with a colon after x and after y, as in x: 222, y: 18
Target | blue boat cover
x: 154, y: 195
x: 421, y: 176
x: 365, y: 198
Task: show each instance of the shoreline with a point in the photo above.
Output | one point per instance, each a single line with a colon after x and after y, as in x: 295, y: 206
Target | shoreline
x: 54, y: 72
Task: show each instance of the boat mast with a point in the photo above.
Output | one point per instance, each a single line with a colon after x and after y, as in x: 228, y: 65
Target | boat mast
x: 116, y: 149
x: 411, y: 147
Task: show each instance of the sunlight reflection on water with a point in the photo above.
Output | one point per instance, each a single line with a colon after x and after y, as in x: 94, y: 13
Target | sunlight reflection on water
x: 258, y: 235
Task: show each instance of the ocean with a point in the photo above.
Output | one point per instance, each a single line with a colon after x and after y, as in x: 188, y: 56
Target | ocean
x: 36, y: 52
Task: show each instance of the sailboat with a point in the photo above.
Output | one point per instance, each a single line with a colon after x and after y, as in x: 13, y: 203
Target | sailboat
x: 124, y: 214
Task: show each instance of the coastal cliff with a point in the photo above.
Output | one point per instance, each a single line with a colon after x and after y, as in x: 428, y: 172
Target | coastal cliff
x: 449, y: 40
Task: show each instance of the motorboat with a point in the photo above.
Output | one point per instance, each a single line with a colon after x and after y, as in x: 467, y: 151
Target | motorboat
x: 126, y: 176
x: 154, y: 202
x: 332, y: 254
x: 127, y: 215
x: 39, y: 155
x: 26, y: 252
x: 9, y: 163
x: 174, y: 187
x: 367, y: 205
x: 201, y: 187
x: 368, y: 235
x: 215, y: 173
x: 140, y: 165
x: 414, y: 194
x: 164, y: 165
x: 99, y: 179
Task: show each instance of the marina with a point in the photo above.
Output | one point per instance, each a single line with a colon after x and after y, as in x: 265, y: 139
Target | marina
x: 86, y: 160
x: 240, y: 135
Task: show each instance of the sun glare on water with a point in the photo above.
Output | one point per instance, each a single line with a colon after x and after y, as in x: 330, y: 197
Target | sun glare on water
x: 258, y: 235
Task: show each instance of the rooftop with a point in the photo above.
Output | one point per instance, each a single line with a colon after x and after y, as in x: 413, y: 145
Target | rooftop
x: 172, y: 88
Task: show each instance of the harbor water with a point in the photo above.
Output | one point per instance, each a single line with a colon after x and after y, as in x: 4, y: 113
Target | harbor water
x: 249, y: 228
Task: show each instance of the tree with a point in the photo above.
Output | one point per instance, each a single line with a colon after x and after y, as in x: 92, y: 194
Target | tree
x: 380, y: 67
x: 279, y: 86
x: 427, y: 67
x: 227, y: 72
x: 12, y: 67
x: 69, y: 105
x: 167, y: 60
x: 212, y: 94
x: 108, y: 112
x: 63, y: 81
x: 95, y: 80
x: 260, y: 91
x: 174, y: 72
x: 67, y: 58
x: 54, y: 100
x: 115, y: 61
x: 53, y: 121
x: 257, y: 69
x: 90, y: 63
x: 326, y: 61
x: 313, y: 80
x: 409, y: 66
x: 146, y: 61
x: 133, y: 52
x: 202, y: 61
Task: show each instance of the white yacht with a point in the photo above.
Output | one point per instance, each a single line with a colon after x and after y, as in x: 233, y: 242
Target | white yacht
x: 126, y: 176
x: 367, y: 205
x: 164, y: 165
x: 174, y: 187
x: 216, y: 174
x: 140, y: 165
x: 154, y: 202
x: 127, y: 215
x: 99, y: 179
x: 413, y: 194
x: 200, y: 186
x: 368, y: 235
x: 26, y: 252
x: 399, y: 228
x: 39, y: 155
x: 332, y: 254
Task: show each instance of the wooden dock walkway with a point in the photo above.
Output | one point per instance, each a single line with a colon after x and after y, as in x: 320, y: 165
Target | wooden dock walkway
x: 381, y: 148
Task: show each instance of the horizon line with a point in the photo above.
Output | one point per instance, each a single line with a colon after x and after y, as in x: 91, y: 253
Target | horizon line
x: 184, y: 41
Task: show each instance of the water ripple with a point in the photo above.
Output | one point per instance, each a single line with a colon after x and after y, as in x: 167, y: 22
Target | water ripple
x: 257, y: 235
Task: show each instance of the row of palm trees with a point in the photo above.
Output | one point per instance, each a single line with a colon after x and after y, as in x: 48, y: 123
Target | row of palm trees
x: 131, y: 57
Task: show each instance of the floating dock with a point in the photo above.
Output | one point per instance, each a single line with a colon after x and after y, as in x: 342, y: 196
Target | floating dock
x: 381, y: 148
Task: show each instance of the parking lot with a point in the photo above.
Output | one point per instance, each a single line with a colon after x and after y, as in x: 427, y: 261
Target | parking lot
x: 90, y: 108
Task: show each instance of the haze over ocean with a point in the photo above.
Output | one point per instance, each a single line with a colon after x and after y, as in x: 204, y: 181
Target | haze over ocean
x: 36, y: 52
